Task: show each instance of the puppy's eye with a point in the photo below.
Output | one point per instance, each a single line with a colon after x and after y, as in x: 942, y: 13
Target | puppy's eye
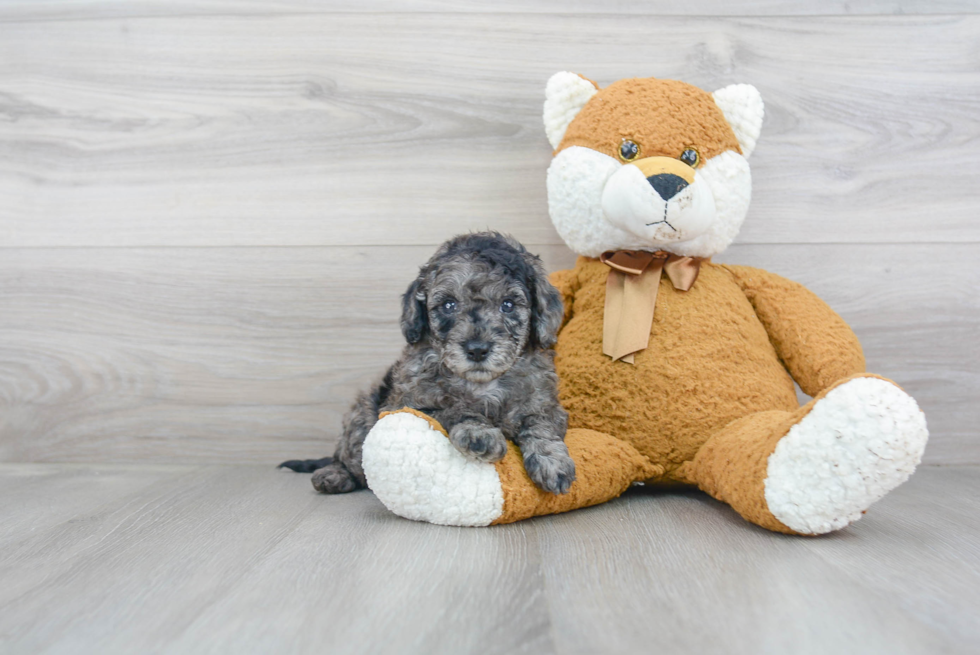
x: 628, y: 150
x: 507, y: 306
x: 690, y: 157
x: 448, y: 306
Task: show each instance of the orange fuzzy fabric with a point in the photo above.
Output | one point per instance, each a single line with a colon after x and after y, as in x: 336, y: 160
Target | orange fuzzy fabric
x: 605, y: 467
x: 814, y: 343
x: 712, y: 359
x: 733, y: 465
x: 663, y: 117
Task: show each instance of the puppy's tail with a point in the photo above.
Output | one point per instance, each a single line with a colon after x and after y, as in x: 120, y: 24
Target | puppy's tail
x: 305, y: 465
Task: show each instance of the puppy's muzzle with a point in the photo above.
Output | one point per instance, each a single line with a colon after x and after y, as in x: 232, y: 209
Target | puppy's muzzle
x: 476, y: 351
x: 667, y: 176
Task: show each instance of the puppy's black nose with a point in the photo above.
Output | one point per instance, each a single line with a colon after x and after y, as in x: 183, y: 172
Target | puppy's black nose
x: 667, y: 185
x: 476, y: 351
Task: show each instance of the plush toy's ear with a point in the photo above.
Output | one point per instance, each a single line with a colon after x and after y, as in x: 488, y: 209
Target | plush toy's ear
x: 565, y: 96
x: 743, y: 109
x: 415, y: 318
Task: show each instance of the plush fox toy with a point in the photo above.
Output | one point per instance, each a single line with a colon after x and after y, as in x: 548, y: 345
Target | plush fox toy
x: 674, y: 370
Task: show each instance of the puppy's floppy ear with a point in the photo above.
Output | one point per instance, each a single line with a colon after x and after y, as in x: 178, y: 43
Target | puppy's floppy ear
x: 547, y: 310
x: 415, y: 318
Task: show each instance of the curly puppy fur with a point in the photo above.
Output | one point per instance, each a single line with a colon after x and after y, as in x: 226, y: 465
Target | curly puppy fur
x: 480, y: 321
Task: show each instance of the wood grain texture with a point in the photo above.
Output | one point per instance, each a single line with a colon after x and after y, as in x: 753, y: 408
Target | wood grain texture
x: 706, y: 584
x: 209, y: 209
x: 365, y: 128
x: 948, y: 496
x: 251, y: 560
x: 47, y: 496
x: 254, y: 354
x: 225, y: 354
x: 445, y: 590
x: 35, y: 10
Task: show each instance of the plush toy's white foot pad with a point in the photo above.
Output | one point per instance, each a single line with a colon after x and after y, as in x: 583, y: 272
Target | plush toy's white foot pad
x: 863, y: 439
x: 418, y: 474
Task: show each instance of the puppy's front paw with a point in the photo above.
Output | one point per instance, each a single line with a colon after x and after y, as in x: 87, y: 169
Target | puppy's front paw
x: 551, y: 469
x: 483, y: 443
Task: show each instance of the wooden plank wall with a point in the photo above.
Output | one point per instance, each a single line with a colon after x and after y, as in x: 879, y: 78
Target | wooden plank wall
x: 208, y: 209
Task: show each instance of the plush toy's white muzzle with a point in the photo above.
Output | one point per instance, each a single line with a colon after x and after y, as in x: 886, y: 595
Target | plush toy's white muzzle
x: 598, y: 204
x: 657, y: 212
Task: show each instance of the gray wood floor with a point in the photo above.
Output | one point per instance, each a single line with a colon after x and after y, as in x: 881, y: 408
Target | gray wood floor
x: 188, y: 559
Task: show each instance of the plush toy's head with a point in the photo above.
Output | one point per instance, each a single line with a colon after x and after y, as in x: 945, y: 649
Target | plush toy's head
x: 648, y: 164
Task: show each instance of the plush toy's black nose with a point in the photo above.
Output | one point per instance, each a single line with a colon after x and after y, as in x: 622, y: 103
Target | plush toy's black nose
x: 476, y: 351
x: 667, y: 185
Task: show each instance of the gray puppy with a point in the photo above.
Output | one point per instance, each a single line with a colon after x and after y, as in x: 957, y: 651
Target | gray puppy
x: 480, y: 321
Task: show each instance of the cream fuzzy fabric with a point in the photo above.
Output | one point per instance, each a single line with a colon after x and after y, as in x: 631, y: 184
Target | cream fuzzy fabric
x: 565, y: 95
x: 859, y: 442
x: 585, y: 186
x: 418, y: 474
x: 744, y: 110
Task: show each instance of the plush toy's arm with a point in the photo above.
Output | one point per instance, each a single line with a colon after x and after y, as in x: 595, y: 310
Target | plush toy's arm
x: 567, y: 284
x: 815, y: 344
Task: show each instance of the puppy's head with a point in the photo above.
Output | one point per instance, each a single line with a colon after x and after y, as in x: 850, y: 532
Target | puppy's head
x: 481, y: 302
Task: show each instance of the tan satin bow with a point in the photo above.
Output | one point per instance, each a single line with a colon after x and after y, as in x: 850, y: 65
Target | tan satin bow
x: 631, y: 295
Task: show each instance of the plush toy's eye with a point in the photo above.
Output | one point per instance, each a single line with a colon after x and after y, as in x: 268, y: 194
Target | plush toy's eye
x: 691, y: 157
x: 448, y: 306
x: 628, y: 151
x: 507, y: 306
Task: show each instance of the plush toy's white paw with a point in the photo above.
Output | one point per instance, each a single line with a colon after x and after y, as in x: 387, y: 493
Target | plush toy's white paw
x: 418, y: 474
x: 863, y: 439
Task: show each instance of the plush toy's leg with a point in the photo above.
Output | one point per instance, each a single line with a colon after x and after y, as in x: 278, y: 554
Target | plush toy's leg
x: 417, y: 473
x: 819, y: 468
